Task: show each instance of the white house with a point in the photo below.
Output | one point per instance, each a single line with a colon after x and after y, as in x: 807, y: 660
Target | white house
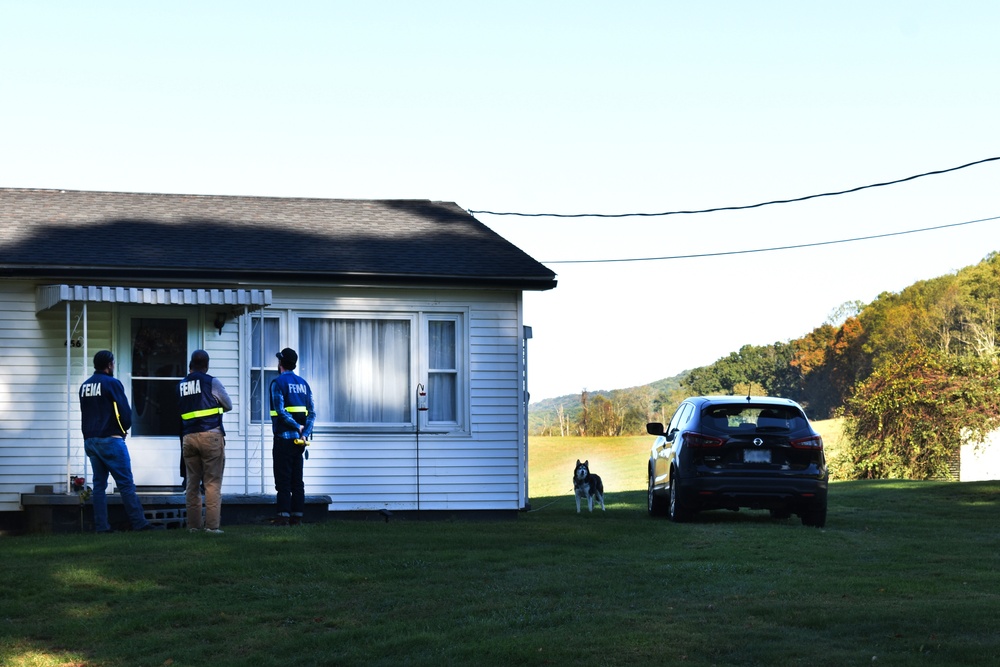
x: 383, y: 300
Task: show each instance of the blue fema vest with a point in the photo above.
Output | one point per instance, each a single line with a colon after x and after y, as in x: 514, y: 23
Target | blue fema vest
x: 295, y: 400
x: 200, y: 411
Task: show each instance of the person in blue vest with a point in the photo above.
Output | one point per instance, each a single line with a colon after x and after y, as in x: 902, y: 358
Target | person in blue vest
x: 105, y: 419
x: 292, y: 419
x: 202, y: 401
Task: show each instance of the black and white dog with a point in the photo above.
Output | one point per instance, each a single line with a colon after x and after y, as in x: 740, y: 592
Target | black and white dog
x: 587, y: 485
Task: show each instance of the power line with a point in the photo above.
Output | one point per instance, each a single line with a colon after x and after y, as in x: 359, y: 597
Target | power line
x: 734, y: 208
x: 772, y: 249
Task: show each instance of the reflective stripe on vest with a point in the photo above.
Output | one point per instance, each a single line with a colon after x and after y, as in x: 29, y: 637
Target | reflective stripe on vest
x: 118, y: 416
x: 198, y: 414
x: 292, y: 408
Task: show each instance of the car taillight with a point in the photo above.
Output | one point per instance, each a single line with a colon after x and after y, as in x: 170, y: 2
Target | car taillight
x: 699, y: 440
x: 812, y: 442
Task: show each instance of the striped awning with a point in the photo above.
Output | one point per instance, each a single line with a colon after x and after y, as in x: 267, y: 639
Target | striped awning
x: 47, y: 296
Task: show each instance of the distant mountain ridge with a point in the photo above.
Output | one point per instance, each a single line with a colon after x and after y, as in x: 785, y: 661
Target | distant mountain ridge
x: 631, y: 404
x: 664, y: 385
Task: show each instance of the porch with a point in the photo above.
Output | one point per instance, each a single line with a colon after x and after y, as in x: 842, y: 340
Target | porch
x: 46, y: 511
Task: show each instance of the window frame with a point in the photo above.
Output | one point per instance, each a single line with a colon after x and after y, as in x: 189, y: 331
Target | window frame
x: 269, y: 364
x: 418, y: 371
x: 461, y: 384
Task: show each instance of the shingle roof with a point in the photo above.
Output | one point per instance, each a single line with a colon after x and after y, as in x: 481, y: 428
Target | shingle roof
x: 57, y: 233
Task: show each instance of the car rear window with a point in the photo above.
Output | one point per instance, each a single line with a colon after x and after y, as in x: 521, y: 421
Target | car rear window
x: 744, y: 417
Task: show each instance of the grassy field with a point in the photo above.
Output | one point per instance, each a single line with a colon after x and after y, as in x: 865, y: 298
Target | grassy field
x: 904, y: 573
x: 621, y: 462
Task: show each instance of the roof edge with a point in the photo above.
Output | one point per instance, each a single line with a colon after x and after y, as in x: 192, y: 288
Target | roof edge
x: 104, y: 275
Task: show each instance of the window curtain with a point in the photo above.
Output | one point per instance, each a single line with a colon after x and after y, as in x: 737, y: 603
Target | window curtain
x: 442, y: 377
x: 359, y: 369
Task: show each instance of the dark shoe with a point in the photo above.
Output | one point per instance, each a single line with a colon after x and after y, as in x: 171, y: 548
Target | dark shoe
x: 280, y: 521
x: 153, y: 526
x: 295, y: 521
x: 105, y: 532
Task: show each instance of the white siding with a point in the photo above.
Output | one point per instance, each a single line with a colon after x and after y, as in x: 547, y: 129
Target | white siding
x: 35, y: 398
x: 479, y: 467
x: 981, y: 461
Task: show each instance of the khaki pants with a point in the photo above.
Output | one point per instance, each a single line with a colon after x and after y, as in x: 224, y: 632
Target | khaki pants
x: 205, y: 460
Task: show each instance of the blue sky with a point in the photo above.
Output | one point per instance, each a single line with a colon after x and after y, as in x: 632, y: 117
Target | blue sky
x: 568, y: 107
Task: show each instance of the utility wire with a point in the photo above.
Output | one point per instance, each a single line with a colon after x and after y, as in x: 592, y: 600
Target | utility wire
x: 734, y: 208
x: 772, y: 249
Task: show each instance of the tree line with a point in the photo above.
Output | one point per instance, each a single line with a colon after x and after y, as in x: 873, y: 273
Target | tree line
x: 913, y: 373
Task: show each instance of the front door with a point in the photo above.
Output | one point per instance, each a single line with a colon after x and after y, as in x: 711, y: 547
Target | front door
x: 159, y: 343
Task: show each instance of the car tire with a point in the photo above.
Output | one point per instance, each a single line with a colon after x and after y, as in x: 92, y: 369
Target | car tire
x: 678, y: 512
x: 655, y: 505
x: 815, y: 517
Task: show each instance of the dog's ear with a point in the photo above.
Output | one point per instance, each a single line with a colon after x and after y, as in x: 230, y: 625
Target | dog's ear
x: 578, y: 461
x: 587, y: 463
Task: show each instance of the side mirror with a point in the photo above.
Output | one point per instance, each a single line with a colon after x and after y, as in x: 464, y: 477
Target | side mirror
x: 654, y: 428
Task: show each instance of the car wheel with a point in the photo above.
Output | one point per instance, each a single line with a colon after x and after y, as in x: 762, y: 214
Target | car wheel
x: 814, y: 517
x: 655, y: 504
x: 678, y: 512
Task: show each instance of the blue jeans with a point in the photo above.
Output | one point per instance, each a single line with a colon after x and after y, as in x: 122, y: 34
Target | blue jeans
x: 109, y: 456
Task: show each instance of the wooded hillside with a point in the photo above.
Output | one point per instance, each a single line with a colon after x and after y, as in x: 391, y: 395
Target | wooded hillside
x: 913, y: 372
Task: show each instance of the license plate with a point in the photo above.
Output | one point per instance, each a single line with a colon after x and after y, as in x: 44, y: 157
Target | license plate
x: 756, y: 456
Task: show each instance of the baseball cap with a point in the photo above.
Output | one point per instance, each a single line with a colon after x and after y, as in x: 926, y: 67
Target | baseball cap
x: 288, y: 358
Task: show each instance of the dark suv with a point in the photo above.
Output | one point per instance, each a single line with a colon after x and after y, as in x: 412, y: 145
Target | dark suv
x: 728, y: 452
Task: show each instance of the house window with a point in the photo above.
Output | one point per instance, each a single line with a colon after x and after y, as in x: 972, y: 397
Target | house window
x: 359, y: 369
x: 442, y: 371
x: 264, y: 343
x: 364, y: 369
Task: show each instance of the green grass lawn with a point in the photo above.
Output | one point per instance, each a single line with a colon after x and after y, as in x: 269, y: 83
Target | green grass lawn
x: 904, y: 573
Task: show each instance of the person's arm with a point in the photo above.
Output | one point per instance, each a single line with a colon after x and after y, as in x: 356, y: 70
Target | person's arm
x: 221, y: 395
x: 121, y: 407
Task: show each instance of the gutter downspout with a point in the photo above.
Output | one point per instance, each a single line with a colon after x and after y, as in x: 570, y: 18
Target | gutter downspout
x: 523, y: 410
